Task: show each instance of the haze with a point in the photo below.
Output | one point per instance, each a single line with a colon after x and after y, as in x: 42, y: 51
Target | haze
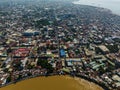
x: 113, y: 5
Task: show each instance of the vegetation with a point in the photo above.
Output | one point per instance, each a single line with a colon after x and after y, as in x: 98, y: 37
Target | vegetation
x: 8, y: 79
x: 30, y: 66
x: 113, y: 48
x: 42, y: 22
x: 45, y: 64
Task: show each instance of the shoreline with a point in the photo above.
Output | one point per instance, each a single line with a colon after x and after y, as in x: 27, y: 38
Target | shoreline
x: 110, y: 11
x: 79, y: 80
x: 50, y: 75
x: 102, y: 85
x: 91, y: 84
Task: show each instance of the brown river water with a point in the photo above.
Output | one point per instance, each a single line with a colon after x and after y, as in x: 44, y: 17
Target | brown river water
x: 53, y: 83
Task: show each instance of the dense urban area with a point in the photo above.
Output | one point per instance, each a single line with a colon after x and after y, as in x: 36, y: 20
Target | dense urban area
x: 58, y: 37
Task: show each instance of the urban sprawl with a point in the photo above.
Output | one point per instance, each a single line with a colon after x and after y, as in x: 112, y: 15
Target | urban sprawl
x: 40, y: 38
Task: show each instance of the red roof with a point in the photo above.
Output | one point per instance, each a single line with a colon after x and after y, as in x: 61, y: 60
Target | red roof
x: 21, y: 52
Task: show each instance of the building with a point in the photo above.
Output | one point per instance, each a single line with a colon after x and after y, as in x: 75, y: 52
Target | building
x: 62, y: 53
x: 103, y: 49
x: 21, y: 52
x: 31, y: 32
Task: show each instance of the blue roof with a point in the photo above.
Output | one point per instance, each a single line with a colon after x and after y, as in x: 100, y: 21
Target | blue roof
x: 30, y: 33
x: 27, y: 34
x: 62, y: 52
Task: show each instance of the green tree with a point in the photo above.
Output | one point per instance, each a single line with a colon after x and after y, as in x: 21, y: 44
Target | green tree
x: 45, y: 64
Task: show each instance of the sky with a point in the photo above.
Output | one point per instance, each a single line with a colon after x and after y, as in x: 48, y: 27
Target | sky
x: 113, y: 5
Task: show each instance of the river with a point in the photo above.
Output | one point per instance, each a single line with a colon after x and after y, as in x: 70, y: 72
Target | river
x: 53, y: 83
x: 113, y: 5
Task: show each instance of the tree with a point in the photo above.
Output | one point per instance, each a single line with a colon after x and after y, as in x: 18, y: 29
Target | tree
x: 113, y: 48
x: 30, y: 66
x: 8, y: 79
x: 45, y: 64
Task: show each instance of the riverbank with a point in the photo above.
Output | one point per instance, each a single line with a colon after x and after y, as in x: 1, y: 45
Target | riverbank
x: 58, y: 83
